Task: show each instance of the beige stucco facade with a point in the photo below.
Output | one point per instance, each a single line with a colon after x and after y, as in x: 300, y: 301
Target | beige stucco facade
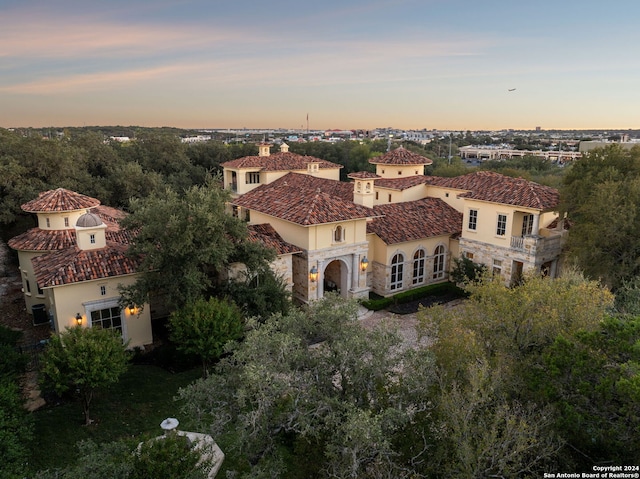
x: 509, y: 239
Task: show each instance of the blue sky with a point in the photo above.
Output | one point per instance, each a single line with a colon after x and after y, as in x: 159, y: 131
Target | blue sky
x: 444, y: 64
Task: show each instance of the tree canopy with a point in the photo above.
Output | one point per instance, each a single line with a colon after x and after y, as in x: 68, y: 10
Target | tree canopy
x: 185, y: 242
x: 601, y: 196
x: 82, y: 360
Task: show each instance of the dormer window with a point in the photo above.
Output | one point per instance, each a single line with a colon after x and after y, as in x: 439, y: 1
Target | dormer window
x: 92, y: 238
x: 48, y: 223
x: 338, y: 234
x: 312, y: 167
x: 66, y: 221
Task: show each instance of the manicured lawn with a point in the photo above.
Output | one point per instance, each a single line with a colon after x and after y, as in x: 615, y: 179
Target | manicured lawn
x: 136, y: 405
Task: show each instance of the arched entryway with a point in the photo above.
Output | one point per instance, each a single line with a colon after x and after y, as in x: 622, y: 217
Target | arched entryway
x: 336, y: 278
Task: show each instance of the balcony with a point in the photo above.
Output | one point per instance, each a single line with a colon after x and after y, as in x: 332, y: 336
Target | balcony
x: 550, y: 242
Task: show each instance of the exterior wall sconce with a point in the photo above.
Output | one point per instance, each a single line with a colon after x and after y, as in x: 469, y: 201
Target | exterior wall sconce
x: 313, y: 274
x: 132, y: 309
x: 364, y: 262
x: 78, y: 319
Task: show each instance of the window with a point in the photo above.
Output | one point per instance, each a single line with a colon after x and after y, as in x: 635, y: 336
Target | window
x: 66, y: 221
x: 40, y: 292
x: 446, y: 195
x: 389, y: 197
x: 253, y: 178
x: 108, y: 318
x: 376, y: 195
x: 501, y: 228
x: 497, y: 267
x: 28, y: 284
x: 527, y: 225
x: 400, y: 172
x: 368, y: 187
x: 48, y: 223
x: 92, y: 238
x: 103, y: 290
x: 418, y: 266
x: 438, y: 263
x: 473, y: 220
x: 397, y: 270
x: 338, y: 234
x: 469, y: 255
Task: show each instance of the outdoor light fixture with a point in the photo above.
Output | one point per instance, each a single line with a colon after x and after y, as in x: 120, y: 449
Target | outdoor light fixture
x: 132, y: 309
x: 364, y: 262
x: 78, y: 319
x: 313, y: 274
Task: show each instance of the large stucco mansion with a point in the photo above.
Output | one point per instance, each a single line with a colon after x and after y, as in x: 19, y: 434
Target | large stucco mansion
x: 392, y: 230
x: 386, y: 232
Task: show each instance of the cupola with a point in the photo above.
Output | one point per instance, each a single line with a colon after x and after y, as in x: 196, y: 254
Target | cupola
x: 90, y: 232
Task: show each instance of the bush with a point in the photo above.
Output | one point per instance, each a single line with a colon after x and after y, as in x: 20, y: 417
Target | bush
x: 440, y: 289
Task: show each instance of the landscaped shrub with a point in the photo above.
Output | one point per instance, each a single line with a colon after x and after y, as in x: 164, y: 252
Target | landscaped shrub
x: 440, y: 289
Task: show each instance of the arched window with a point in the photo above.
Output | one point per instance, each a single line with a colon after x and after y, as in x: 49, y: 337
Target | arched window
x: 397, y: 272
x: 438, y: 263
x: 338, y: 234
x: 418, y: 266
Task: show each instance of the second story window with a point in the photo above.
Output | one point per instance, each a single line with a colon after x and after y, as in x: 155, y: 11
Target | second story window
x: 473, y: 220
x: 66, y: 221
x: 527, y: 225
x: 253, y: 178
x: 103, y: 290
x: 501, y: 227
x: 338, y: 234
x: 92, y: 238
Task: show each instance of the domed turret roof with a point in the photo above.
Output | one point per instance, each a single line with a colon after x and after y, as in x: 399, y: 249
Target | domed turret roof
x: 89, y: 220
x: 400, y: 156
x: 59, y: 200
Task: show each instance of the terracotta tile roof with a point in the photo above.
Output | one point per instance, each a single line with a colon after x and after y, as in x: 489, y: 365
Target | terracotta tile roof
x: 37, y: 239
x: 401, y: 183
x: 400, y: 156
x: 59, y: 200
x: 363, y: 175
x: 266, y: 234
x: 110, y: 216
x: 280, y: 161
x: 413, y: 220
x: 497, y: 188
x: 305, y: 200
x: 73, y: 265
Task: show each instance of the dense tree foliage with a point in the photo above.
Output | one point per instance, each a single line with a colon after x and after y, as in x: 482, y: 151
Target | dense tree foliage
x: 204, y: 328
x: 315, y: 389
x: 542, y: 368
x: 601, y: 195
x: 185, y: 243
x: 81, y: 360
x: 171, y: 457
x: 16, y: 426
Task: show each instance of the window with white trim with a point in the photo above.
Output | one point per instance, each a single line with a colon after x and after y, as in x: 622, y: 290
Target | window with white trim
x: 501, y: 226
x: 497, y: 267
x: 92, y: 238
x: 527, y: 225
x: 108, y: 318
x: 438, y: 262
x: 397, y: 272
x: 418, y: 266
x: 66, y: 221
x: 103, y: 290
x: 473, y: 220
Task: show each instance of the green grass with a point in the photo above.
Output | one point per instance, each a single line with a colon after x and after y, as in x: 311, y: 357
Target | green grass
x: 135, y: 406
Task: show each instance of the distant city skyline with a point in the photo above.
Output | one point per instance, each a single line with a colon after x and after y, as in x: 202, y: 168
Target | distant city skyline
x: 413, y: 64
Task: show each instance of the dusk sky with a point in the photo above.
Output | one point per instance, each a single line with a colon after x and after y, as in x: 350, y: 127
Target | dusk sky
x: 446, y: 64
